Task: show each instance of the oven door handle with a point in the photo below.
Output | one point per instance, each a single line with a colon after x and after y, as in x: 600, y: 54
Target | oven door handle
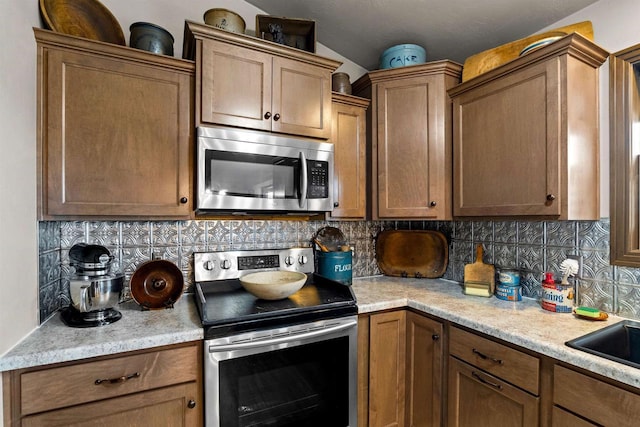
x: 282, y: 339
x: 303, y: 180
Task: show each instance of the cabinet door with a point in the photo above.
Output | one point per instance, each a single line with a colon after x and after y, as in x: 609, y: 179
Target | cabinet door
x: 301, y: 98
x: 349, y: 140
x: 411, y: 147
x: 235, y: 86
x: 423, y: 401
x: 507, y: 145
x: 116, y: 137
x: 477, y: 399
x: 562, y: 418
x: 171, y: 406
x: 387, y: 358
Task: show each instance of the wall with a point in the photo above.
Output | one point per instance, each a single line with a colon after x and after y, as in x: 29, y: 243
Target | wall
x: 18, y: 244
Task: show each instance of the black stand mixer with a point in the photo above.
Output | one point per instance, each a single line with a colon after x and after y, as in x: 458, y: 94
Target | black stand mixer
x: 93, y: 288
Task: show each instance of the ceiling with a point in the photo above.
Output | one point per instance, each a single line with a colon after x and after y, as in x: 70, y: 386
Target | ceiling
x: 361, y: 30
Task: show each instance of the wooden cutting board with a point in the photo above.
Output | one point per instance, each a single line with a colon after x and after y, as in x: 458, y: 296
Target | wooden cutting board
x: 479, y: 278
x: 404, y: 253
x: 492, y: 58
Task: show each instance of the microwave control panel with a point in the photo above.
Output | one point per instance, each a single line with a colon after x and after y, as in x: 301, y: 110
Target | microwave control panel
x: 318, y: 179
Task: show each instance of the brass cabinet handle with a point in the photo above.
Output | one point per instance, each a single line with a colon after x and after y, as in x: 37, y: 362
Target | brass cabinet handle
x: 485, y: 357
x: 267, y: 115
x: 484, y: 381
x: 183, y: 200
x: 276, y: 117
x: 191, y: 404
x: 117, y: 380
x: 551, y: 197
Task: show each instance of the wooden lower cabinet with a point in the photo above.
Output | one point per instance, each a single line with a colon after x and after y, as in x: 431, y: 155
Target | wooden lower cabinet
x: 424, y: 371
x: 477, y: 399
x: 594, y: 402
x: 168, y: 406
x: 562, y: 418
x: 401, y: 356
x: 147, y: 388
x: 491, y: 384
x: 387, y: 353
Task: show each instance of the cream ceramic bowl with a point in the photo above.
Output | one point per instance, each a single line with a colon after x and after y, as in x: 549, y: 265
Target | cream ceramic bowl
x: 273, y: 285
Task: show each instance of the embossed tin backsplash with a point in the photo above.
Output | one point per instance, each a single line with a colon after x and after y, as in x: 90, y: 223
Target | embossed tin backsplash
x: 532, y: 247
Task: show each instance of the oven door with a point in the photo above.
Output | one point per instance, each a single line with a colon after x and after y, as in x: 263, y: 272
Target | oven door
x: 301, y: 375
x: 250, y: 171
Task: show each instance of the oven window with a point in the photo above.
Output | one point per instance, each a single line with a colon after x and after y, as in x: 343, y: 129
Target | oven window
x: 252, y: 175
x: 298, y: 386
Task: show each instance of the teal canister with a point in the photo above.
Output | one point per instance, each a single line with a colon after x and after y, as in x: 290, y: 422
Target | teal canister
x: 335, y: 266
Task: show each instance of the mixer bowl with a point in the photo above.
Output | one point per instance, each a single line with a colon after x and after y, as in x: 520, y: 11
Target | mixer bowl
x: 96, y: 293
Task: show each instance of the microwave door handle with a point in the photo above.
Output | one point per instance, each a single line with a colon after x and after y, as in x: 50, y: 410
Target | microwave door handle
x: 303, y: 180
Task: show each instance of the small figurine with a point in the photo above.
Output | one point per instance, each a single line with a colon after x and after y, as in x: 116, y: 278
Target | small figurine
x: 276, y: 33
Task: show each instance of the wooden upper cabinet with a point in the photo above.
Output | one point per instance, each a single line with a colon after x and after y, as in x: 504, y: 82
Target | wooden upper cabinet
x: 114, y: 130
x: 251, y: 83
x: 526, y: 136
x: 410, y: 132
x: 224, y: 100
x: 350, y: 162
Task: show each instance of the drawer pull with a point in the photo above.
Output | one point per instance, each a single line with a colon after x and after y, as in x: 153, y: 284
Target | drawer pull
x: 485, y: 357
x: 191, y: 404
x: 487, y: 382
x: 117, y: 380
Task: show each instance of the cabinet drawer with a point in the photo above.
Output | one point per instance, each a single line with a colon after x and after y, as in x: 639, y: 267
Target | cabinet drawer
x: 562, y: 418
x: 86, y: 382
x: 596, y: 400
x: 509, y: 364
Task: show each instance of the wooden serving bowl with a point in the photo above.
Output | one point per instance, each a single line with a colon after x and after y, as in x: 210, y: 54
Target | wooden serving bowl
x: 273, y: 285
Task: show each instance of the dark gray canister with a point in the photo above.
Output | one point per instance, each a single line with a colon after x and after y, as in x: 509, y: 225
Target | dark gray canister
x: 335, y: 266
x: 151, y: 37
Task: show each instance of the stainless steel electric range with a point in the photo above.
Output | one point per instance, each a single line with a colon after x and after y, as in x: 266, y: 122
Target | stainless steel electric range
x: 288, y: 362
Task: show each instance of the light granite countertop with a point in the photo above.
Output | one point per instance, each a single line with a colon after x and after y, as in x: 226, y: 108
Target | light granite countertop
x: 55, y: 342
x: 521, y: 323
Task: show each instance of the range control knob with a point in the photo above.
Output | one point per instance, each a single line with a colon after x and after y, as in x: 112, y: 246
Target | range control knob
x: 209, y: 265
x: 289, y: 260
x: 302, y: 259
x: 226, y: 264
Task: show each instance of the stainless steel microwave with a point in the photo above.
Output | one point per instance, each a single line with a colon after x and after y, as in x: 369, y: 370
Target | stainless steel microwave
x: 251, y: 171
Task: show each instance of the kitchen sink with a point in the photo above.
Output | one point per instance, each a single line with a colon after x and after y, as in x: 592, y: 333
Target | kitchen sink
x: 619, y: 342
